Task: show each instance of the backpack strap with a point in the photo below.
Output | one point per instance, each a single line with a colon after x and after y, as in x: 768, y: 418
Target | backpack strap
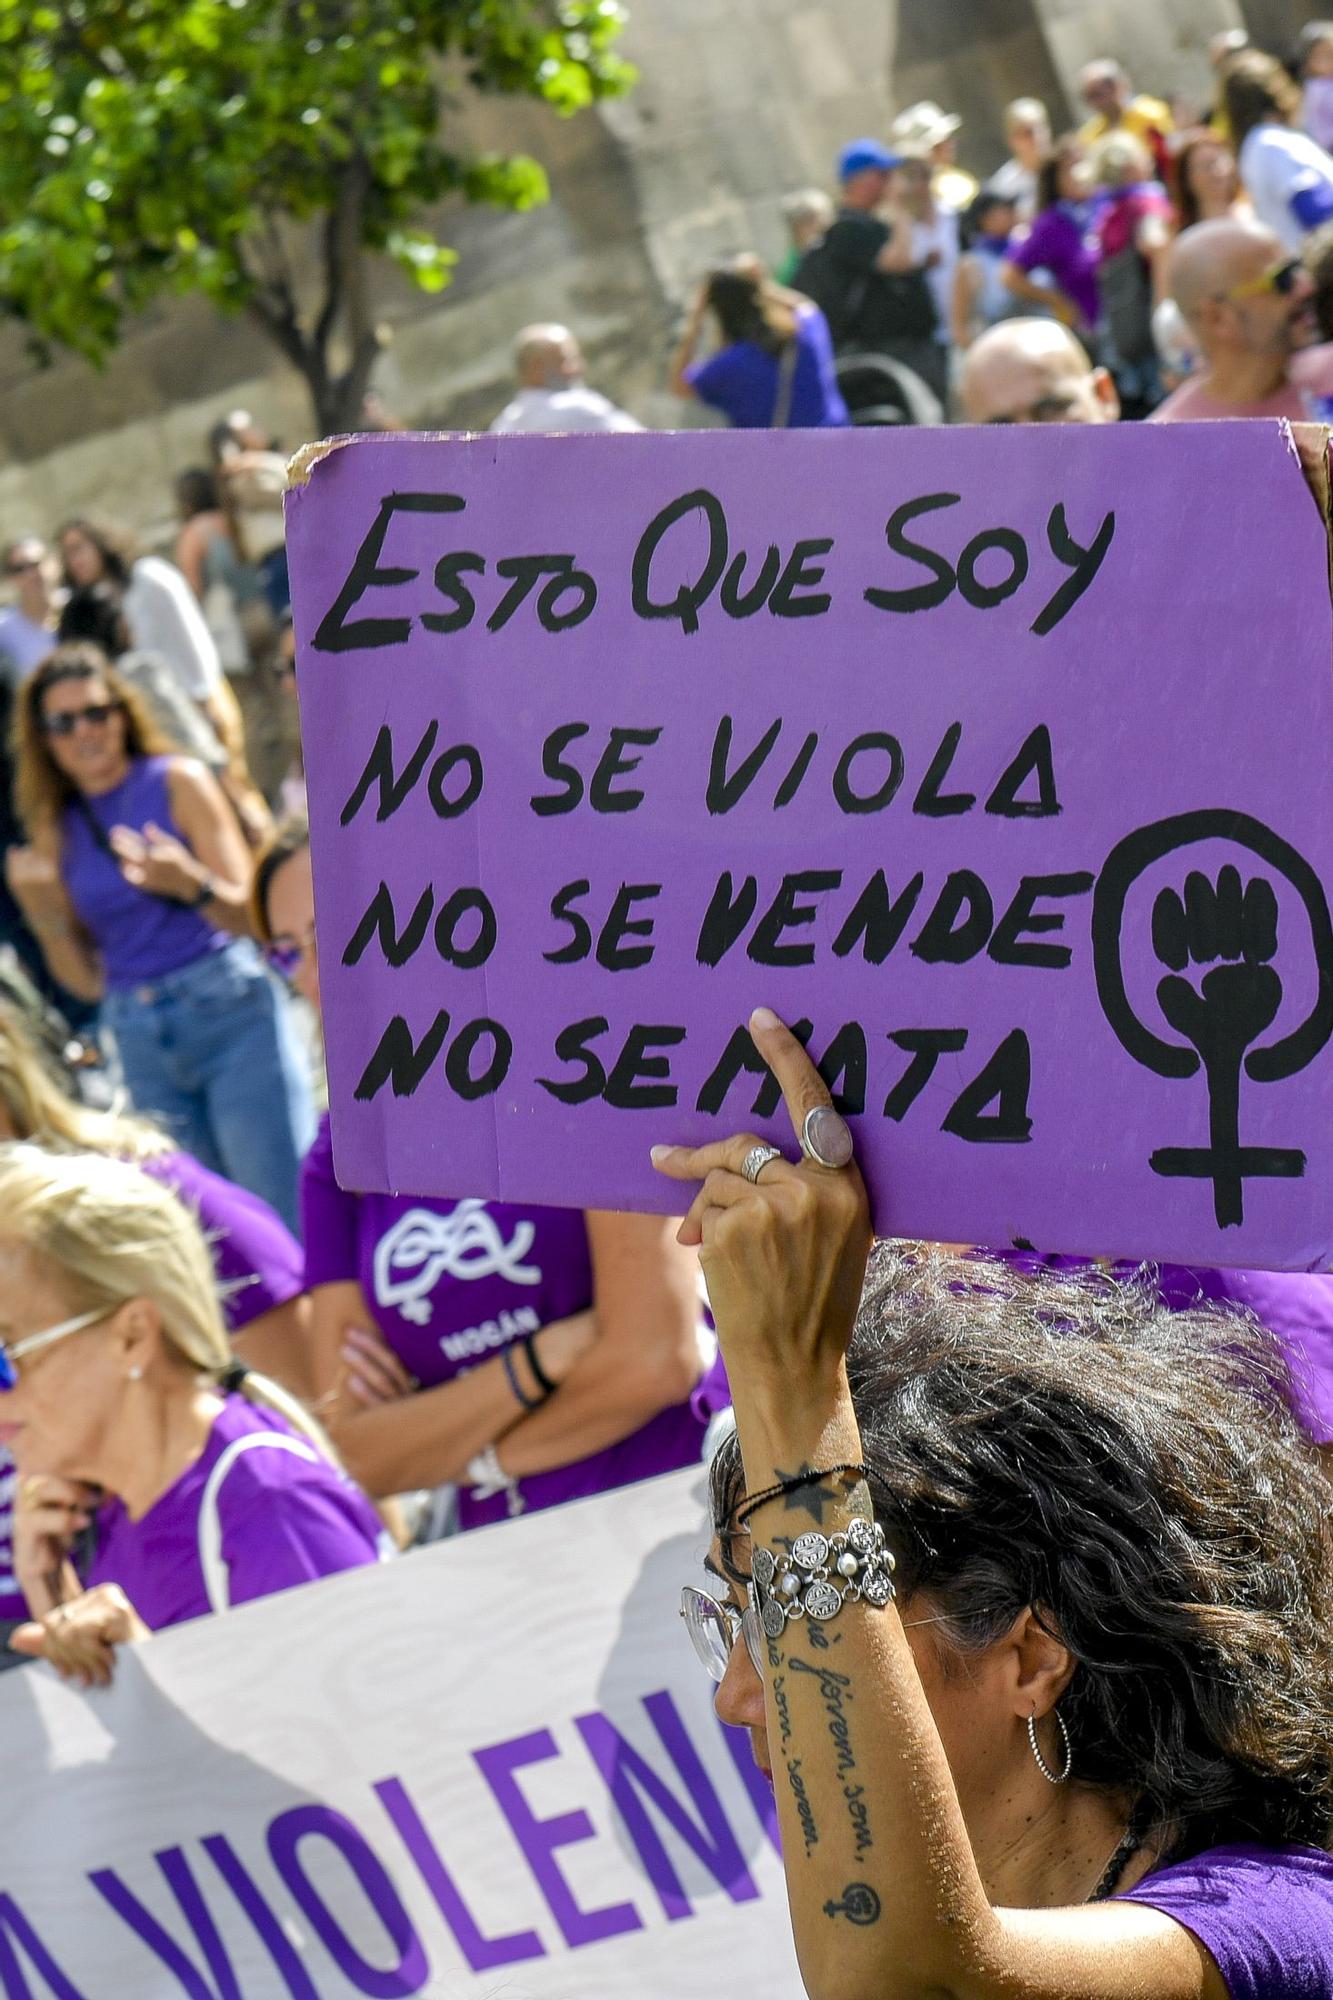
x: 217, y: 1579
x: 786, y: 383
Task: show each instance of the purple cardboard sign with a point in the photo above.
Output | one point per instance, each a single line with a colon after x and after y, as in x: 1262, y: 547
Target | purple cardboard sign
x: 997, y: 759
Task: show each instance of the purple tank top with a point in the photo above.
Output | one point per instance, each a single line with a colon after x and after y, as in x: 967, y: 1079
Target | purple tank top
x: 140, y: 937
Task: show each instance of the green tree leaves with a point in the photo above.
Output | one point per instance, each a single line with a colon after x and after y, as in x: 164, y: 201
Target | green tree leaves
x: 152, y: 146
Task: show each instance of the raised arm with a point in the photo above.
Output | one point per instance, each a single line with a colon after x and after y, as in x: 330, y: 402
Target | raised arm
x: 887, y: 1901
x: 686, y: 346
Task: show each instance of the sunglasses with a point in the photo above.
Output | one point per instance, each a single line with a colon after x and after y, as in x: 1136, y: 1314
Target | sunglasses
x: 68, y: 719
x: 286, y: 951
x: 1281, y: 278
x: 714, y: 1628
x: 9, y: 1356
x: 20, y: 568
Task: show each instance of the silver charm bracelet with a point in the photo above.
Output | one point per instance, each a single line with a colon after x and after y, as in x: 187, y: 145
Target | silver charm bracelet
x: 821, y: 1573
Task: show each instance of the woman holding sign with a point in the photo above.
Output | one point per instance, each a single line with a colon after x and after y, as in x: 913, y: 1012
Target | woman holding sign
x: 1035, y: 1586
x: 531, y: 1355
x: 195, y: 1483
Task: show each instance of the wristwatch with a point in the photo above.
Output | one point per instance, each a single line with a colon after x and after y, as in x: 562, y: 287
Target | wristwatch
x: 208, y: 888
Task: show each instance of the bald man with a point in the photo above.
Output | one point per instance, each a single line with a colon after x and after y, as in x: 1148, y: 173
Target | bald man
x: 1033, y: 371
x: 1247, y: 303
x: 552, y: 394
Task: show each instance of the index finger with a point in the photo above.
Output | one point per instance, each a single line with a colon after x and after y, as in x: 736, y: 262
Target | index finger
x: 803, y: 1088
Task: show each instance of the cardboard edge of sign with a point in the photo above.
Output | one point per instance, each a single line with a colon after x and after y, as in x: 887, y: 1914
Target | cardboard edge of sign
x: 1311, y: 443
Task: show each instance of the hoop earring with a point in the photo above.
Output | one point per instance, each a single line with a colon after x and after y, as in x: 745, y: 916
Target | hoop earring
x: 1051, y: 1777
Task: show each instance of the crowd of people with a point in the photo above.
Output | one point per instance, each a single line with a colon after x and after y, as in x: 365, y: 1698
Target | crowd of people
x: 1189, y: 250
x: 1069, y: 1524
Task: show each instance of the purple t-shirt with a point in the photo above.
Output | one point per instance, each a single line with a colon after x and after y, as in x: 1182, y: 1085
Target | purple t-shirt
x: 1060, y: 241
x: 1295, y: 1306
x: 259, y: 1267
x: 140, y: 937
x: 1265, y: 1915
x: 743, y: 381
x: 450, y: 1284
x: 287, y: 1517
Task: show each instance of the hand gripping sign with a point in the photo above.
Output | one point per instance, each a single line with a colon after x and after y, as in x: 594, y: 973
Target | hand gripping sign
x: 990, y: 759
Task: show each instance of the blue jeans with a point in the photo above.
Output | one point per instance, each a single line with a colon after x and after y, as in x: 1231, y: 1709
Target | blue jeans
x: 210, y: 1052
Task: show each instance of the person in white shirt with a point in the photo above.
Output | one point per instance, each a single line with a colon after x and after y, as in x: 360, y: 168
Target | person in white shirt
x: 552, y: 394
x: 1027, y: 127
x: 1286, y: 175
x: 28, y: 626
x: 161, y: 610
x: 165, y: 618
x: 935, y: 242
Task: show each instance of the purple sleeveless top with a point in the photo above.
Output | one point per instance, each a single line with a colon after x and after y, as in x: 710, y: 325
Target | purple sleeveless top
x: 140, y: 937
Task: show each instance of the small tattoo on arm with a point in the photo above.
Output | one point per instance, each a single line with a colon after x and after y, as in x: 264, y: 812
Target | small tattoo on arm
x: 811, y: 1495
x: 860, y: 1904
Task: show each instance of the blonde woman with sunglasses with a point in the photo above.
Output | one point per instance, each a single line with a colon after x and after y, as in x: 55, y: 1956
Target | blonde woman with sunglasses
x: 182, y: 1482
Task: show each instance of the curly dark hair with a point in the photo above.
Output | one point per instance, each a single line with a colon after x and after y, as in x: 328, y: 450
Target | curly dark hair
x: 1064, y: 1441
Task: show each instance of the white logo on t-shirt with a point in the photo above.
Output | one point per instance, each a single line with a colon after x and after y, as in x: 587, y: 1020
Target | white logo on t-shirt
x: 422, y: 1247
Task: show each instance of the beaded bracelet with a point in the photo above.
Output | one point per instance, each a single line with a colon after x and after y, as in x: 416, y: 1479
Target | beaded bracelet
x: 754, y: 1501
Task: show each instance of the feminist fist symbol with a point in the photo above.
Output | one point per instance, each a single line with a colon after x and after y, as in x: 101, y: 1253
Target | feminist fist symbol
x: 1230, y: 928
x: 1234, y: 931
x: 860, y: 1904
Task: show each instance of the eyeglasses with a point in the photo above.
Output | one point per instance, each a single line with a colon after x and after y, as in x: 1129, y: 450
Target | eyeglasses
x: 286, y: 951
x: 67, y: 720
x: 20, y: 568
x: 9, y: 1374
x: 714, y: 1628
x: 1046, y: 410
x: 1281, y: 278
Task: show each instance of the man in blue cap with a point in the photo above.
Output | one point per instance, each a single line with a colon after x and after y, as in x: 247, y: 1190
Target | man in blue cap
x: 861, y: 272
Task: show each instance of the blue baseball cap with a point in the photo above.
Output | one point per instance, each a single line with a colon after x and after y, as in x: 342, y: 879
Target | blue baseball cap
x: 862, y: 154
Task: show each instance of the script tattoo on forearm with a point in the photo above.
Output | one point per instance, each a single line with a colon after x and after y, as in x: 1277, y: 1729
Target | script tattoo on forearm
x: 805, y: 1812
x: 835, y: 1692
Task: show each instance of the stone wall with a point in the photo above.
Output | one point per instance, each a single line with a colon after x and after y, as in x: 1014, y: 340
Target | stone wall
x: 740, y: 102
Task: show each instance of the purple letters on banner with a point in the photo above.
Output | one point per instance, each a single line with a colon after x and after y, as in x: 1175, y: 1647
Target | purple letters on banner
x: 412, y: 1968
x: 483, y: 1954
x: 17, y: 1934
x: 539, y: 1839
x: 632, y: 1781
x: 989, y: 758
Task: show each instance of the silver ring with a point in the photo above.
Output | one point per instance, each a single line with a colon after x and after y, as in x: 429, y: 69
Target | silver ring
x: 756, y: 1160
x: 826, y: 1137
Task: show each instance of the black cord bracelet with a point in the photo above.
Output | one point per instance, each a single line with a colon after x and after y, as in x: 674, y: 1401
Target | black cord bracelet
x: 754, y: 1501
x: 511, y: 1376
x: 539, y: 1374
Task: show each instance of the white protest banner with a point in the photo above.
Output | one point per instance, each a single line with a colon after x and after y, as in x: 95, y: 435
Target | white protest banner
x: 489, y: 1768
